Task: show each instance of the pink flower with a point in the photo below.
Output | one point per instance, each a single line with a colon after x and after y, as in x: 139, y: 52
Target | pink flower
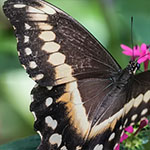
x: 124, y: 136
x: 141, y: 53
x: 130, y: 129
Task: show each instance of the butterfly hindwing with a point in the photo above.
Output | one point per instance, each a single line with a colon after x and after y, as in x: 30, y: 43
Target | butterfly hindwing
x: 53, y: 47
x: 139, y: 105
x: 70, y: 114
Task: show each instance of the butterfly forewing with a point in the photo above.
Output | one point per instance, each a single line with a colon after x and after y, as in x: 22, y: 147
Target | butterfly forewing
x: 83, y: 99
x: 53, y: 47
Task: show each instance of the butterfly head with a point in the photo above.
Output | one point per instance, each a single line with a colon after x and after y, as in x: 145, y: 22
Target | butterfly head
x: 133, y: 67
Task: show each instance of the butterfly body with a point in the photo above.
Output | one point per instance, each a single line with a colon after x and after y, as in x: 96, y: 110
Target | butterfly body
x: 83, y: 99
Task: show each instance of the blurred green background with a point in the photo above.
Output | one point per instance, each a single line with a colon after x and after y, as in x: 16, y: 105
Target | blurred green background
x: 107, y: 20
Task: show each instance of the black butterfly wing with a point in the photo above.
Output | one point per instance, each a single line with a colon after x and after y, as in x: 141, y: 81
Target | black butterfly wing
x: 135, y: 108
x: 64, y: 115
x: 140, y: 99
x: 53, y: 47
x: 64, y: 122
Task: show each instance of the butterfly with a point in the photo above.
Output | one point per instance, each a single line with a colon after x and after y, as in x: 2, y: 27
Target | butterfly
x: 83, y: 99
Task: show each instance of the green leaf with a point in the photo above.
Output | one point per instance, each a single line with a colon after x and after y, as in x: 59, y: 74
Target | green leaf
x: 29, y: 143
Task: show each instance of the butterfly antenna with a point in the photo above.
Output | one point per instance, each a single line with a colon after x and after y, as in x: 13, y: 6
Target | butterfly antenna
x: 132, y: 37
x: 132, y: 31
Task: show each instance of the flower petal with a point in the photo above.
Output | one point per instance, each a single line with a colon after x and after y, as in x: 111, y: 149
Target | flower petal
x: 129, y: 129
x: 123, y: 137
x: 126, y: 48
x: 143, y: 123
x: 143, y: 47
x: 117, y: 147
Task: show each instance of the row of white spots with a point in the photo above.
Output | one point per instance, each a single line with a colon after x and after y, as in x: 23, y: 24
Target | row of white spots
x: 144, y: 111
x: 98, y: 147
x: 43, y: 9
x: 51, y: 122
x: 132, y: 103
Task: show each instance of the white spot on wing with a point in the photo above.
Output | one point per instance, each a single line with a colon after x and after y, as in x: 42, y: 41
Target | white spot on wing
x: 138, y: 100
x: 14, y: 27
x: 112, y: 136
x: 19, y: 5
x: 26, y: 39
x: 49, y: 87
x: 134, y: 117
x: 51, y: 47
x: 120, y: 128
x: 64, y: 148
x: 63, y: 71
x: 28, y: 51
x: 144, y: 111
x: 38, y: 77
x: 48, y: 101
x: 47, y: 9
x: 98, y: 147
x: 50, y: 122
x: 78, y: 148
x: 56, y: 59
x: 129, y: 105
x: 27, y: 26
x: 47, y: 36
x: 32, y: 64
x: 125, y: 122
x: 55, y: 139
x: 34, y: 10
x: 18, y: 53
x: 37, y: 17
x: 44, y: 26
x: 147, y: 96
